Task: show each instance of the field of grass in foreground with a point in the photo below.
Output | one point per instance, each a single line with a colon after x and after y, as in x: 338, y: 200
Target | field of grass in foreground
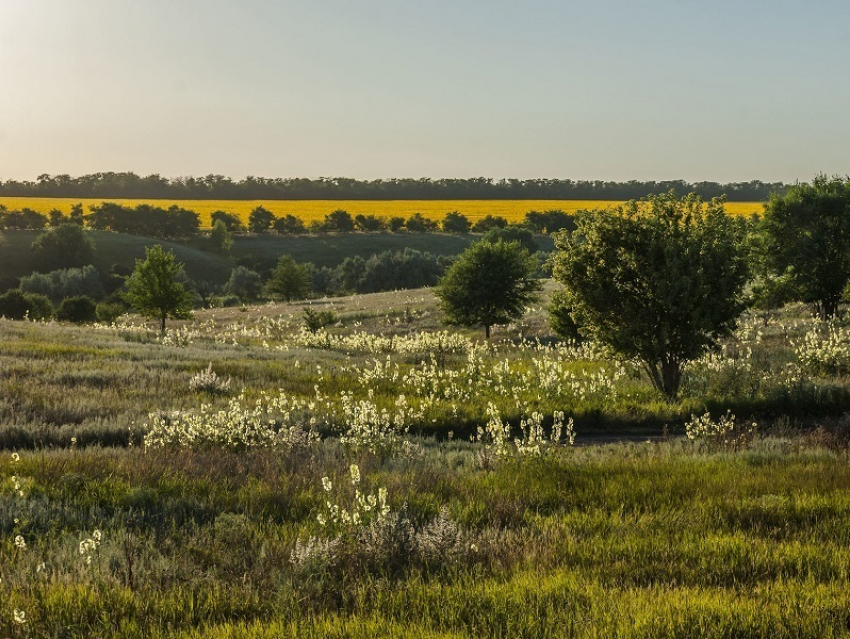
x: 632, y: 540
x: 316, y: 210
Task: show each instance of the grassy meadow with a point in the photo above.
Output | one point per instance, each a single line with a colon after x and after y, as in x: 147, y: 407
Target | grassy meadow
x: 240, y: 476
x: 316, y: 210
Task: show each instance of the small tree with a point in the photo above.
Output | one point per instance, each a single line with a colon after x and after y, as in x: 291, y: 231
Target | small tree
x: 455, y: 222
x: 489, y: 284
x: 659, y: 280
x: 220, y: 237
x: 489, y: 222
x: 513, y: 233
x: 808, y: 234
x: 289, y: 280
x: 153, y: 288
x: 64, y: 245
x: 289, y: 225
x: 369, y: 223
x: 244, y: 284
x: 77, y: 217
x: 418, y: 223
x: 260, y: 220
x: 231, y: 221
x: 340, y: 221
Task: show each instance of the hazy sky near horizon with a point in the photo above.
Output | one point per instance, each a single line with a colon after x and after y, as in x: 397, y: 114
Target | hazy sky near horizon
x: 603, y: 89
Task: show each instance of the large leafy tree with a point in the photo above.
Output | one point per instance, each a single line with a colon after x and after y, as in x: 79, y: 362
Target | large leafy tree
x: 154, y: 289
x: 659, y: 280
x: 808, y: 238
x: 488, y: 285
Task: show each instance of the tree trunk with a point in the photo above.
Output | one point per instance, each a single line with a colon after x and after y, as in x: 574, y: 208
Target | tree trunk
x: 487, y: 331
x: 671, y: 377
x: 666, y: 377
x: 162, y: 324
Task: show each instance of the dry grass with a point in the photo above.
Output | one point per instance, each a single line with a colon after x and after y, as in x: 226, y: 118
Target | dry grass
x: 310, y: 210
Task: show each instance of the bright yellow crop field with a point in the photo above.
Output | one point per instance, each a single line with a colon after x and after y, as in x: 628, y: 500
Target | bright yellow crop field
x: 309, y: 210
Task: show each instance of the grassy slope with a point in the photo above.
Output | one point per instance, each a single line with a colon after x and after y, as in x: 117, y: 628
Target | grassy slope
x: 16, y: 258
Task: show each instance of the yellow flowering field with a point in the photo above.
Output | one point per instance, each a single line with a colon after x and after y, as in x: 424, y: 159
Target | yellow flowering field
x: 309, y: 210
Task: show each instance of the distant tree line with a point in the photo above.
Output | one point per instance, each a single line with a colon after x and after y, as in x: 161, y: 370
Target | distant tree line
x: 177, y: 222
x: 218, y: 187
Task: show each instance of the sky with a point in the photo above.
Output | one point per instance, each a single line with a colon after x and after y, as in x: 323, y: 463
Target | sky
x: 587, y: 90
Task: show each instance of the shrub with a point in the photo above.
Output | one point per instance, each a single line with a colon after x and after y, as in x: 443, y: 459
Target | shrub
x: 230, y: 221
x: 14, y: 304
x: 78, y: 310
x: 339, y: 221
x: 512, y: 234
x: 289, y: 225
x: 418, y: 223
x: 455, y: 222
x: 62, y: 283
x: 316, y: 320
x: 108, y: 312
x: 489, y: 222
x: 244, y: 283
x: 369, y: 223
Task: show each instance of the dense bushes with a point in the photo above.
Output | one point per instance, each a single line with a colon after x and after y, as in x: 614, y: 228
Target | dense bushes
x: 62, y: 283
x: 145, y: 219
x: 15, y: 304
x: 78, y: 310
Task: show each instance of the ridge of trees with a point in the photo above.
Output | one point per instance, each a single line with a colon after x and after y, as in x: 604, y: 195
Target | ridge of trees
x: 118, y: 185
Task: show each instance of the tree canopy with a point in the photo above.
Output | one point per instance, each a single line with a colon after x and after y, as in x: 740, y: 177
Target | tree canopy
x: 154, y: 289
x: 659, y: 280
x: 488, y: 285
x: 807, y: 234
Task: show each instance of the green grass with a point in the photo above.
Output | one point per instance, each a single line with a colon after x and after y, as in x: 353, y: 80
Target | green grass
x: 641, y: 540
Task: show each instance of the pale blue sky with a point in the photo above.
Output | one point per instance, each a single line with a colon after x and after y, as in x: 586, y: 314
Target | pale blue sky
x: 606, y: 89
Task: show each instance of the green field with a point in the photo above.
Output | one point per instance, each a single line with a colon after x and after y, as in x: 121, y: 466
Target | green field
x: 654, y: 536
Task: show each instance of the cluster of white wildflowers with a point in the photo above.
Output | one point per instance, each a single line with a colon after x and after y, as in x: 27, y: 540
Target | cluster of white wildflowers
x: 208, y: 381
x: 444, y: 342
x: 181, y: 337
x: 354, y: 508
x: 825, y: 349
x: 723, y: 432
x: 545, y: 374
x: 19, y: 617
x: 369, y: 428
x: 90, y: 545
x: 267, y: 422
x: 532, y: 442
